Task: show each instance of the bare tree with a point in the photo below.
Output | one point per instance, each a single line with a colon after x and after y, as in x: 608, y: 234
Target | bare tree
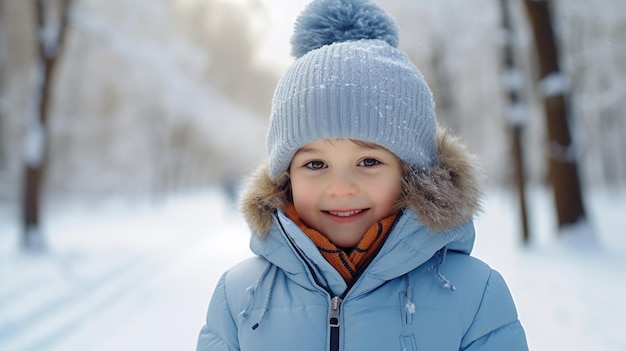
x: 2, y: 87
x: 563, y: 176
x: 51, y: 34
x: 517, y: 114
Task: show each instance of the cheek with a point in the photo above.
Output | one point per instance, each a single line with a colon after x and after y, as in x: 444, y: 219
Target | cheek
x: 302, y: 192
x: 305, y: 201
x: 387, y: 192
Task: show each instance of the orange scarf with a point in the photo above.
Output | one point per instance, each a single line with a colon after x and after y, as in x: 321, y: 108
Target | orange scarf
x: 348, y: 265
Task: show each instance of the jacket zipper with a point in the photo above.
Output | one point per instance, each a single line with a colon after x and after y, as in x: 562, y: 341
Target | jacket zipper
x: 335, y: 306
x: 335, y: 302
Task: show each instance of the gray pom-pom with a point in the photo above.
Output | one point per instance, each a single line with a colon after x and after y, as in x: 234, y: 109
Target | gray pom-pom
x: 325, y: 22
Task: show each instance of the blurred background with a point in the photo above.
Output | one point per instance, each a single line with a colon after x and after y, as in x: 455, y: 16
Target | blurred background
x: 128, y: 122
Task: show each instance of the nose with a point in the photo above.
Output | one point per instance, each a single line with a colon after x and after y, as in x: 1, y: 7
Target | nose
x: 341, y: 183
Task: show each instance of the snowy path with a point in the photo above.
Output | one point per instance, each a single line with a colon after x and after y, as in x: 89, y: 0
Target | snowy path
x: 126, y: 278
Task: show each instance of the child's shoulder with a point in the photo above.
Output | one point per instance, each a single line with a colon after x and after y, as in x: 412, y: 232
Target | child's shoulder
x: 461, y: 264
x: 457, y: 264
x: 467, y: 271
x: 241, y: 278
x: 468, y: 280
x: 247, y: 272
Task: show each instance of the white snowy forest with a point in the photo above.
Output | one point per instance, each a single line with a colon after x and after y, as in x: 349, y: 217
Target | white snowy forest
x: 158, y: 111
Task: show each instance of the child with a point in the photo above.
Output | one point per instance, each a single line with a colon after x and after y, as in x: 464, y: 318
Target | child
x: 362, y: 221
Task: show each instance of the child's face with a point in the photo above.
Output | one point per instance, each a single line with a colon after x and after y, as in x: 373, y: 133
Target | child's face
x: 341, y: 188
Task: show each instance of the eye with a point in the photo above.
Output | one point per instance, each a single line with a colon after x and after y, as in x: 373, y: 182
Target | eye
x: 316, y: 164
x: 369, y: 162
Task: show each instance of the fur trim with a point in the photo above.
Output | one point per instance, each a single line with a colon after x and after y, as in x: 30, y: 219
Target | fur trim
x: 259, y: 201
x: 443, y: 197
x: 448, y: 194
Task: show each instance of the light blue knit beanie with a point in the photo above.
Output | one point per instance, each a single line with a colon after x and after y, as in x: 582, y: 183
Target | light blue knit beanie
x: 351, y: 81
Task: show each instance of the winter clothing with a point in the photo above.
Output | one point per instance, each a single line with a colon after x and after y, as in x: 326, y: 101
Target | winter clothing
x: 347, y: 264
x: 410, y: 283
x: 363, y: 89
x: 422, y: 291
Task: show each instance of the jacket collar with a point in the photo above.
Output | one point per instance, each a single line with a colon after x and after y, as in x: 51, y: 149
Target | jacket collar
x: 409, y: 245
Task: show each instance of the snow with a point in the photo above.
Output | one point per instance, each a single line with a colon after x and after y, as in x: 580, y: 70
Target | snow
x: 517, y: 115
x: 554, y: 84
x: 568, y: 292
x: 117, y: 276
x: 124, y: 275
x: 34, y: 144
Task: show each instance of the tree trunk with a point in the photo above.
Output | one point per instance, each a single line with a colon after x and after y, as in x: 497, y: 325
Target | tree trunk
x: 516, y: 113
x: 36, y: 143
x: 563, y: 176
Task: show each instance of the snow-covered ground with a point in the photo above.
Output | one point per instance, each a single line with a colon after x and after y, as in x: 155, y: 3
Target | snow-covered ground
x: 124, y: 276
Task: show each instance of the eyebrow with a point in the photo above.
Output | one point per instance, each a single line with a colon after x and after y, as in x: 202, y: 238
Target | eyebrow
x: 360, y: 143
x: 305, y: 150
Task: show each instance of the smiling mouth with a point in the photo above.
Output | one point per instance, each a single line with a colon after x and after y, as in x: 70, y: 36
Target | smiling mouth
x: 345, y: 213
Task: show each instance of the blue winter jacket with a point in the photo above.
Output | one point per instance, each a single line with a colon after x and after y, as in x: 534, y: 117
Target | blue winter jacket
x: 422, y: 291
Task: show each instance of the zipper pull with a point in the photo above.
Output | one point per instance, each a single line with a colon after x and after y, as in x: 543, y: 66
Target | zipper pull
x: 335, y: 304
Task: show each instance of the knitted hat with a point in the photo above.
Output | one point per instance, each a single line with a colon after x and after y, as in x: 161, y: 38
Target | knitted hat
x: 350, y: 81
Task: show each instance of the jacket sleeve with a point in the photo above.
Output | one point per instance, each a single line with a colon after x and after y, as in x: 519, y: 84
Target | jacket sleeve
x: 220, y: 331
x: 495, y: 325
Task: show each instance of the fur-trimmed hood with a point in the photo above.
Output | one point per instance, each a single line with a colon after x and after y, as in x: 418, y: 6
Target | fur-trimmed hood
x: 443, y: 197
